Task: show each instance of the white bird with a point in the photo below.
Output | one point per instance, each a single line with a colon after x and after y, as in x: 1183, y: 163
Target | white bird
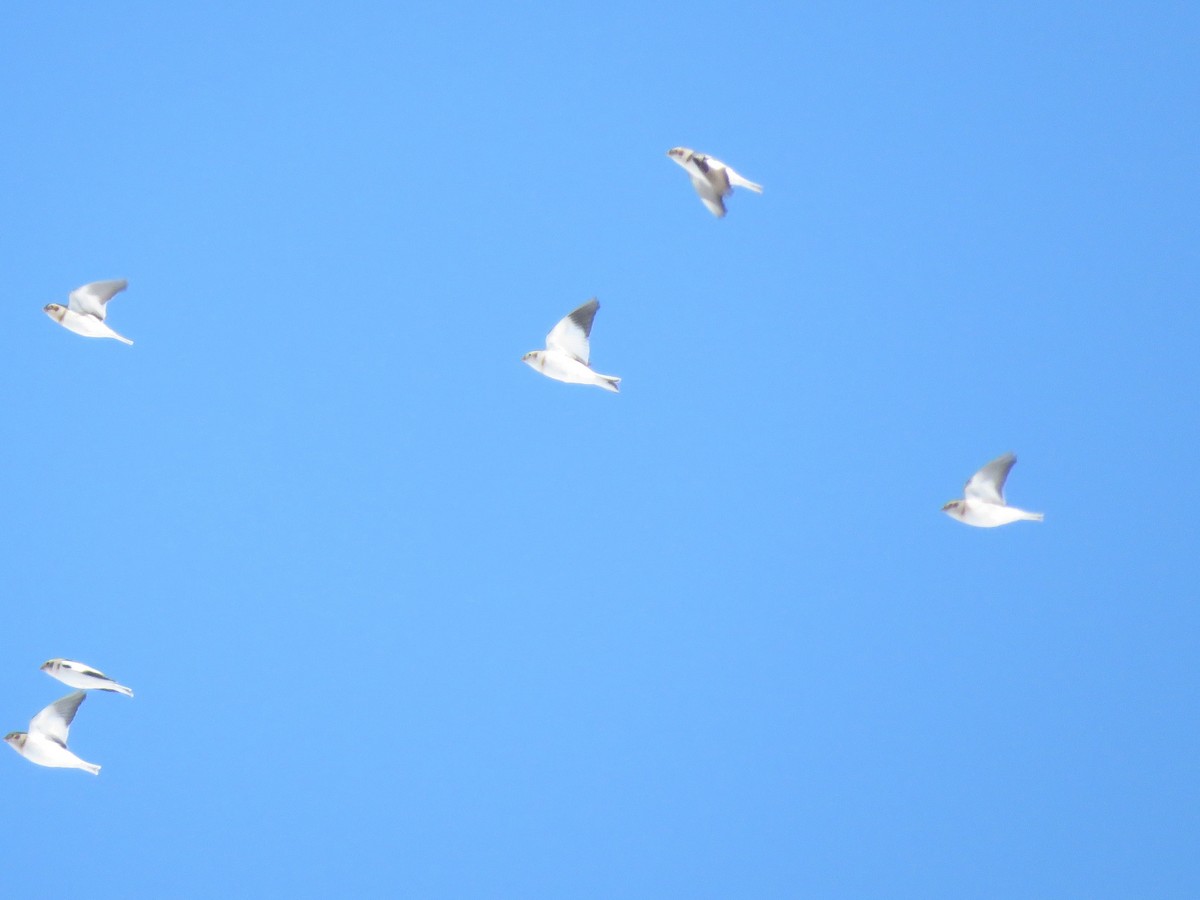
x: 983, y: 498
x: 86, y: 308
x: 567, y: 351
x: 77, y: 675
x: 712, y: 179
x: 46, y: 741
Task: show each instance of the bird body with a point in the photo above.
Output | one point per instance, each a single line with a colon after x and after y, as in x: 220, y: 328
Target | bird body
x: 990, y: 515
x: 983, y: 503
x: 45, y: 752
x: 568, y: 351
x: 562, y: 366
x: 712, y: 179
x: 84, y: 677
x: 87, y: 308
x: 46, y: 741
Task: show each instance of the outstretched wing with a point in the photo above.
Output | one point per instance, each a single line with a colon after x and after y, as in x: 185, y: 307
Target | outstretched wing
x: 572, y: 333
x: 91, y: 299
x: 988, y: 483
x: 54, y: 721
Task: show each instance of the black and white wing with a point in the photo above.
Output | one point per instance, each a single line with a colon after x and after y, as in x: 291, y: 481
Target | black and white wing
x: 572, y: 333
x: 84, y: 670
x: 54, y: 721
x: 710, y: 183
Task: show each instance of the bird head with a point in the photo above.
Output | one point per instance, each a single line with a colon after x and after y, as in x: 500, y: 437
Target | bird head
x: 16, y: 739
x: 532, y: 358
x: 681, y: 155
x: 953, y: 508
x: 54, y: 311
x: 50, y: 665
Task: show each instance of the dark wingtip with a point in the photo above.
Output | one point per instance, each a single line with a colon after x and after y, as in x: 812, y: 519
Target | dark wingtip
x: 584, y: 315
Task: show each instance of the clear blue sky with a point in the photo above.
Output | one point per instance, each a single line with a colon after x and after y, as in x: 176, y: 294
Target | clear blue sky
x: 406, y: 619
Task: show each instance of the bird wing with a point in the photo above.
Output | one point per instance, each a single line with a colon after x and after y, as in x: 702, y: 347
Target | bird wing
x: 91, y: 299
x: 710, y: 198
x: 84, y: 670
x: 988, y: 483
x: 572, y: 333
x: 54, y: 721
x: 717, y: 174
x: 710, y: 183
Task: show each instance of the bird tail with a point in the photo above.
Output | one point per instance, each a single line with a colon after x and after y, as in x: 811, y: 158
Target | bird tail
x: 119, y: 689
x: 739, y: 181
x: 122, y: 339
x: 610, y: 383
x: 1035, y: 517
x: 90, y: 767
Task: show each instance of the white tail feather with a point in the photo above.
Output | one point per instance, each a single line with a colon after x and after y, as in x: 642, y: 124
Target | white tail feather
x: 736, y: 179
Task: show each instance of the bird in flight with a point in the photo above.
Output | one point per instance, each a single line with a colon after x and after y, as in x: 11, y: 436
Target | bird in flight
x: 568, y: 350
x: 712, y: 179
x: 983, y: 498
x: 86, y: 308
x: 46, y: 741
x: 85, y: 678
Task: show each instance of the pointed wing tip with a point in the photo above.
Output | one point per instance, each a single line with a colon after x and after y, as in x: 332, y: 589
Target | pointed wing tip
x: 716, y: 208
x: 583, y: 314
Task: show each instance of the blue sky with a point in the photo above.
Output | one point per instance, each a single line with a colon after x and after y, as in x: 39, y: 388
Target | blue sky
x: 405, y: 618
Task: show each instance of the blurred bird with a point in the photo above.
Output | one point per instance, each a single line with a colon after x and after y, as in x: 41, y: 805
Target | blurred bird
x: 85, y: 309
x: 567, y: 350
x: 712, y: 179
x: 77, y: 675
x: 46, y: 741
x: 983, y: 505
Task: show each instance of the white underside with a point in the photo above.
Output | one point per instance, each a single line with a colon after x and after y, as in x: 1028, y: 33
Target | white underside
x: 47, y: 753
x: 564, y: 367
x: 991, y: 515
x: 88, y: 682
x: 89, y: 326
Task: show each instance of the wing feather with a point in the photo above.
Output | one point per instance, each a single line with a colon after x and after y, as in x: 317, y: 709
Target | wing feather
x: 54, y: 721
x: 571, y: 334
x: 91, y: 299
x: 988, y: 483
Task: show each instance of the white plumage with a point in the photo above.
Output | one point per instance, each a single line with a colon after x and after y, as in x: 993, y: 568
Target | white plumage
x: 84, y: 677
x: 86, y: 309
x: 983, y: 498
x: 712, y: 179
x: 568, y: 351
x: 46, y: 741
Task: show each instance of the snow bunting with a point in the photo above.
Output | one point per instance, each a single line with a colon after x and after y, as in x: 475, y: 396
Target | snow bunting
x: 983, y: 505
x: 85, y: 309
x: 567, y: 350
x: 712, y: 179
x: 46, y: 741
x: 77, y: 675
